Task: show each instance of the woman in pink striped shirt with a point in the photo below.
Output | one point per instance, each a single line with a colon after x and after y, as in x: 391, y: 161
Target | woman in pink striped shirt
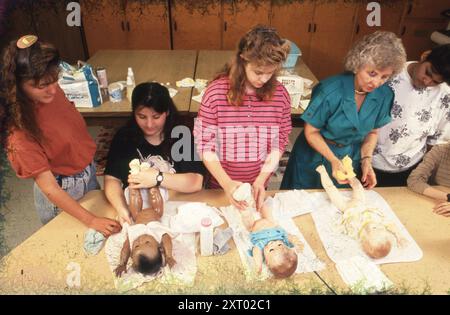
x: 244, y: 119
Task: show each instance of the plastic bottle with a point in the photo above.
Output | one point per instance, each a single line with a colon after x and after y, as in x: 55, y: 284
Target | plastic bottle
x: 130, y: 83
x: 206, y: 237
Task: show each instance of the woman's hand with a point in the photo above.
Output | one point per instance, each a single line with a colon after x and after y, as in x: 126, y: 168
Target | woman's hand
x: 124, y: 217
x: 442, y: 209
x: 259, y: 192
x: 369, y: 179
x: 143, y: 179
x: 229, y: 189
x: 336, y: 165
x: 105, y: 226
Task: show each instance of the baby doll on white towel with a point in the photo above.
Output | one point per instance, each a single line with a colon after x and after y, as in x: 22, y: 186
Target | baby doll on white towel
x: 148, y: 242
x: 271, y: 243
x: 368, y: 225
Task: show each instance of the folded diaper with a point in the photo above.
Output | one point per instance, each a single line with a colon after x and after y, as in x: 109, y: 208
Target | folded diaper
x: 93, y: 242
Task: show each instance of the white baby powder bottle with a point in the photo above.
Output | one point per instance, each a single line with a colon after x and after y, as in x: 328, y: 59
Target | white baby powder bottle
x: 130, y: 83
x: 206, y: 237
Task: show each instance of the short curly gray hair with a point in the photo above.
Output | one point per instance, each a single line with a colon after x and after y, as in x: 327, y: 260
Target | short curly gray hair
x: 380, y: 49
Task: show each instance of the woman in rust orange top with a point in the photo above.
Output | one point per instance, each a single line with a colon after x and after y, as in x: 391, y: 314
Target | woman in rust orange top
x: 46, y: 137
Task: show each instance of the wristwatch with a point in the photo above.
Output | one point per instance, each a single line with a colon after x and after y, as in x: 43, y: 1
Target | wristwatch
x: 448, y: 197
x: 159, y: 178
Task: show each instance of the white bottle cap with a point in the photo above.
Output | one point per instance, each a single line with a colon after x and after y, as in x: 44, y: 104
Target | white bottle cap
x: 206, y: 222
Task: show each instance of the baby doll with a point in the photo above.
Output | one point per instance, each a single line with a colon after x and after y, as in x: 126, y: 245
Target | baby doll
x: 368, y: 225
x: 148, y: 243
x: 270, y: 242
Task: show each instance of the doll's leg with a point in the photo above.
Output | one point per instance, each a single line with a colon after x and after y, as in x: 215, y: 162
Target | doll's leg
x: 135, y: 202
x: 156, y: 201
x: 334, y: 194
x: 358, y: 196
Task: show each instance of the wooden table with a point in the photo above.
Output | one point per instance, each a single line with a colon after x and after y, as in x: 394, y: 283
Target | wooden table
x: 431, y: 232
x: 42, y: 263
x: 164, y: 66
x: 210, y: 62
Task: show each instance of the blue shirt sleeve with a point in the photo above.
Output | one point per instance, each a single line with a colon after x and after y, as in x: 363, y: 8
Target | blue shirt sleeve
x: 317, y: 112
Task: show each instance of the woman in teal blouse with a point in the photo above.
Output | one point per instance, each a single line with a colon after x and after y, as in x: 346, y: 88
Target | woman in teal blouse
x: 345, y: 112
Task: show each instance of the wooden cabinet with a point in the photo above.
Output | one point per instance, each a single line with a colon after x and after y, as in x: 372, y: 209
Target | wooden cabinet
x: 104, y: 24
x: 197, y: 29
x: 294, y: 22
x: 239, y: 16
x: 119, y: 24
x: 147, y: 26
x: 48, y: 22
x: 332, y: 36
x: 416, y: 34
x: 390, y: 13
x: 426, y: 9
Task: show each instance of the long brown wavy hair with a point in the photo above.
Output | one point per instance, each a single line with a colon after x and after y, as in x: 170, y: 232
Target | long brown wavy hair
x: 38, y: 62
x: 262, y: 46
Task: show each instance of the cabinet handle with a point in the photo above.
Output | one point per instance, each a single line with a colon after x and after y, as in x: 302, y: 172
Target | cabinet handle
x: 403, y: 31
x: 309, y: 27
x: 410, y: 6
x: 357, y: 28
x: 315, y: 27
x: 128, y: 26
x: 175, y: 25
x: 225, y: 26
x: 123, y: 26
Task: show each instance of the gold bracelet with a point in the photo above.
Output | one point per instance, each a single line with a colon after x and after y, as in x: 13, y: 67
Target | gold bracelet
x: 365, y: 157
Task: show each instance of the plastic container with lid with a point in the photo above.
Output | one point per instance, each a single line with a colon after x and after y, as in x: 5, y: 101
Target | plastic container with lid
x: 206, y: 237
x: 294, y: 54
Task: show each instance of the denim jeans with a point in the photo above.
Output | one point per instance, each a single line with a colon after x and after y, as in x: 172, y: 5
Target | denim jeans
x: 75, y: 185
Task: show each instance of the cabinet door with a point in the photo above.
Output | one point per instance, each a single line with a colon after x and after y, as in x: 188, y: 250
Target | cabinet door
x: 239, y: 16
x: 147, y: 25
x: 48, y: 22
x: 294, y: 22
x: 332, y: 35
x: 197, y: 27
x: 416, y: 36
x: 52, y: 26
x: 104, y: 24
x: 427, y: 9
x: 391, y: 14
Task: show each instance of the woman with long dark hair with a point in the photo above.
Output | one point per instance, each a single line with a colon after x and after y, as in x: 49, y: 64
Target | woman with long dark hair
x: 148, y: 133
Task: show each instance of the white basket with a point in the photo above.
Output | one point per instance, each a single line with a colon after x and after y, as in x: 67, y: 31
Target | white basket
x: 294, y: 85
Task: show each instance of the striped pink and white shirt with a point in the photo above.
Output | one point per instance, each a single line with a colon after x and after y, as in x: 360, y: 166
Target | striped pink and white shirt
x: 242, y: 136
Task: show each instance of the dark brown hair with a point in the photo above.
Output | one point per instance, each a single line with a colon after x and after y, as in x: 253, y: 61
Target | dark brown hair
x: 262, y: 46
x: 38, y: 62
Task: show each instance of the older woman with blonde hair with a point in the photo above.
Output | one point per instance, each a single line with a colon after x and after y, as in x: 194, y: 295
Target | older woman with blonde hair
x: 345, y: 113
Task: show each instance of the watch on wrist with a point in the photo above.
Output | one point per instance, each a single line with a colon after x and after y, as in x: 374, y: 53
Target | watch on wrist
x: 159, y: 179
x: 448, y: 197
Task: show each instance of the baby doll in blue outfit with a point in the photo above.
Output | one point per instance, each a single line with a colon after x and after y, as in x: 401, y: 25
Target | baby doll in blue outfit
x: 271, y: 244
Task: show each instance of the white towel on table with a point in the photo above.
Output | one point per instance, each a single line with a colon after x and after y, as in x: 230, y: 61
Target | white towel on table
x: 183, y: 250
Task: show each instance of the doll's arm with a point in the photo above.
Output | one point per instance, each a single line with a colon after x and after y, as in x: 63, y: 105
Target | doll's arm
x: 392, y: 228
x: 166, y: 241
x: 124, y: 256
x: 298, y: 245
x: 257, y: 258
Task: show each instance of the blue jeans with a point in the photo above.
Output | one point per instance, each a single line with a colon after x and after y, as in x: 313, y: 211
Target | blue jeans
x: 75, y: 185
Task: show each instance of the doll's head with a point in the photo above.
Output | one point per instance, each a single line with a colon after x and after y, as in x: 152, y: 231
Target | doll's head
x: 280, y: 259
x: 376, y: 240
x: 147, y: 255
